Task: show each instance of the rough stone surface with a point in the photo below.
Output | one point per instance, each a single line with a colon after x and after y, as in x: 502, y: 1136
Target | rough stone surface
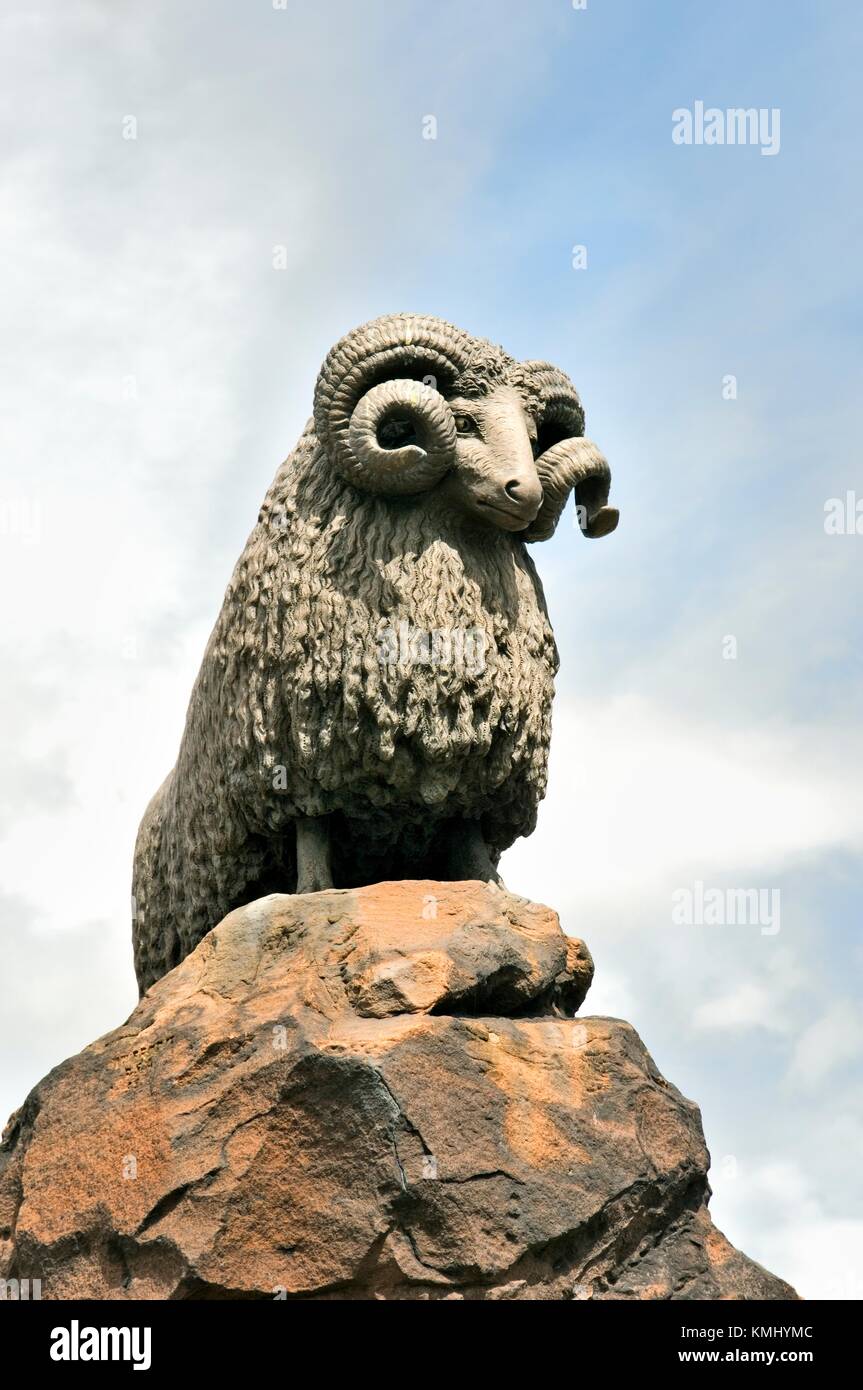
x: 369, y: 1093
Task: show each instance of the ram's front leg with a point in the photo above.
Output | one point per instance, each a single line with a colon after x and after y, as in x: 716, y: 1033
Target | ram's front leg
x: 467, y: 854
x: 314, y: 872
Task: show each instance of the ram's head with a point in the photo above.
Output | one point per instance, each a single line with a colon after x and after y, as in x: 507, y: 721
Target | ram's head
x: 408, y: 404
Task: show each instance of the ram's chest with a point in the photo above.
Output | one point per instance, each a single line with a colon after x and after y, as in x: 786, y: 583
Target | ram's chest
x: 440, y: 649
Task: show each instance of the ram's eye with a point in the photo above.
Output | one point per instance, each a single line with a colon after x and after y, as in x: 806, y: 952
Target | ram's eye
x: 465, y: 424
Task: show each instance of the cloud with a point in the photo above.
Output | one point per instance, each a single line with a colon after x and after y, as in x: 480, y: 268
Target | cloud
x: 644, y: 799
x: 747, y: 1005
x: 832, y: 1041
x: 820, y: 1255
x: 61, y: 990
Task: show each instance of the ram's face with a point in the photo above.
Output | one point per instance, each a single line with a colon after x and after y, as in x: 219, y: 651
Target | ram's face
x: 409, y: 405
x: 494, y: 478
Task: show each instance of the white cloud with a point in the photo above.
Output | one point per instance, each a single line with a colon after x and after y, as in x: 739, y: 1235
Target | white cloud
x: 767, y: 995
x: 819, y: 1254
x: 643, y: 800
x: 747, y: 1005
x: 829, y: 1042
x: 611, y: 995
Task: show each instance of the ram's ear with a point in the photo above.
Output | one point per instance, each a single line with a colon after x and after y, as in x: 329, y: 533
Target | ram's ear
x: 573, y: 464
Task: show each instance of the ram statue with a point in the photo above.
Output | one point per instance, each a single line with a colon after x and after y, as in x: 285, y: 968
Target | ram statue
x: 375, y: 699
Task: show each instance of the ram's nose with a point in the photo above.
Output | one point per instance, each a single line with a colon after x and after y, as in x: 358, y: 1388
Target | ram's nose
x: 524, y: 491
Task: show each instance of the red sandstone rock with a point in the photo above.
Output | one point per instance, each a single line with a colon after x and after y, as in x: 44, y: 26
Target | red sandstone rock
x: 370, y: 1093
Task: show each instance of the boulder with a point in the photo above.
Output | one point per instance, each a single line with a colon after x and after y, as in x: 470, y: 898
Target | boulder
x: 370, y: 1093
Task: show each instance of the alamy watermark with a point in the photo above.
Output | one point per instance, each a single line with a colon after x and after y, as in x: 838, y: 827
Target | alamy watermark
x: 738, y: 125
x: 20, y: 1290
x: 21, y: 517
x: 843, y: 516
x: 406, y: 645
x: 726, y: 907
x: 77, y: 1343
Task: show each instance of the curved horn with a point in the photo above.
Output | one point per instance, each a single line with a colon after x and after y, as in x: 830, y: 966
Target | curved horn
x: 567, y: 460
x: 402, y: 437
x: 559, y: 402
x: 573, y: 463
x: 383, y: 429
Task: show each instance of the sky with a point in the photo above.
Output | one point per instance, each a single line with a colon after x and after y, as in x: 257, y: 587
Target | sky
x: 198, y: 200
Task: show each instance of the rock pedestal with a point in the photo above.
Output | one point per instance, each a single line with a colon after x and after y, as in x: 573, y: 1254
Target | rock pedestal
x: 378, y: 1093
